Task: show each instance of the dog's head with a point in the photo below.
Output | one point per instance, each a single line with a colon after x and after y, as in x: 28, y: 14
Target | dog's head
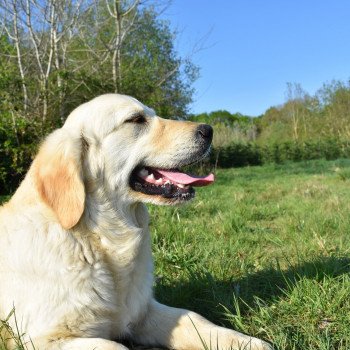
x: 116, y: 145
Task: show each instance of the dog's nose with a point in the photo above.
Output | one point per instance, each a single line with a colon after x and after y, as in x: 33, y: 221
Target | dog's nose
x: 205, y: 131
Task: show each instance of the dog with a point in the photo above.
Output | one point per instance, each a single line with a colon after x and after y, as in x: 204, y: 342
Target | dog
x: 75, y: 250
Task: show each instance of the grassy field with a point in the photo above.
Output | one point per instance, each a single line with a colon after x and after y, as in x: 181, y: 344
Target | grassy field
x: 266, y: 251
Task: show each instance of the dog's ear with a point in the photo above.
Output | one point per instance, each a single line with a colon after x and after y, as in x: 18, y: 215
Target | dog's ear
x: 59, y: 177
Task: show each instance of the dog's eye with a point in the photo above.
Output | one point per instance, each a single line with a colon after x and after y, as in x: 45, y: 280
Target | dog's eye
x: 137, y: 119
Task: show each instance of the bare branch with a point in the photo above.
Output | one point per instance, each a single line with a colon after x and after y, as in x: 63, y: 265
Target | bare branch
x: 131, y: 8
x: 16, y: 39
x: 112, y: 14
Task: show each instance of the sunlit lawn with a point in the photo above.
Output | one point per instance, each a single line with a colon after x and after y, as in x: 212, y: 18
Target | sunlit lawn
x: 266, y: 250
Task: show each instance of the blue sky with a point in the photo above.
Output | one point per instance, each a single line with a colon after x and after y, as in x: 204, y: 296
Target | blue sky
x: 254, y: 47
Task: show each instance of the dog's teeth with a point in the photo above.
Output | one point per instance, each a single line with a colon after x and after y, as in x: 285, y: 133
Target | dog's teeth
x: 150, y: 177
x: 143, y: 172
x: 167, y: 182
x: 181, y: 185
x: 159, y: 181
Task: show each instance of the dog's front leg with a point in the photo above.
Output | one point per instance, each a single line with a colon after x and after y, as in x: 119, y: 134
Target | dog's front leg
x: 185, y: 330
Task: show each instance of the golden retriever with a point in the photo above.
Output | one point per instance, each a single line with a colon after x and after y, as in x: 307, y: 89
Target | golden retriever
x: 75, y: 250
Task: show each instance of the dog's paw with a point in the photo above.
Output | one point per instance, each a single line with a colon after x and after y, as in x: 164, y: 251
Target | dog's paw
x: 257, y: 344
x: 238, y: 341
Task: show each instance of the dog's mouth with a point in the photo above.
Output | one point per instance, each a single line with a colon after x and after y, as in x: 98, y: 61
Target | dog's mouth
x: 169, y: 184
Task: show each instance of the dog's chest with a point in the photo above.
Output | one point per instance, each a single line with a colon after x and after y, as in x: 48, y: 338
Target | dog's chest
x: 129, y: 261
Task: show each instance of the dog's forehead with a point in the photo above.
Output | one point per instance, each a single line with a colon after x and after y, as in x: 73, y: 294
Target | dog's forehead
x: 126, y: 106
x: 119, y: 106
x: 104, y: 112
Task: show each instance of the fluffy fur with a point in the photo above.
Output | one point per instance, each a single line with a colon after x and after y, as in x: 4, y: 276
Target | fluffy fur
x: 75, y: 255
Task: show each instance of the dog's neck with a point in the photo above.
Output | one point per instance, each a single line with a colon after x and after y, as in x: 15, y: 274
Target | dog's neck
x: 114, y: 217
x: 120, y: 228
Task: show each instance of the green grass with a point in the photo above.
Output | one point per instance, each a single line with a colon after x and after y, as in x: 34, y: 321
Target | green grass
x: 266, y: 251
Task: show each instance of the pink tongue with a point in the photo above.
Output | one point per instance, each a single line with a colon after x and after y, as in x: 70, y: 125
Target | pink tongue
x: 185, y: 179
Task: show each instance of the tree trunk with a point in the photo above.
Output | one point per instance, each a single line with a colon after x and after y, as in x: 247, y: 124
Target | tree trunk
x: 19, y: 58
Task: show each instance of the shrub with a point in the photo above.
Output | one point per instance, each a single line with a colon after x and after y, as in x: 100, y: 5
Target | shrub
x: 19, y: 138
x: 243, y: 154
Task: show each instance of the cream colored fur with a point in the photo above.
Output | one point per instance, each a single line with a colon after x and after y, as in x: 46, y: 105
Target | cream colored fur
x: 75, y: 254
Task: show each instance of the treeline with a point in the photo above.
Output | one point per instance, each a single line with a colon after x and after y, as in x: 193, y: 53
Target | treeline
x: 304, y: 127
x: 245, y: 154
x: 303, y: 117
x: 326, y: 114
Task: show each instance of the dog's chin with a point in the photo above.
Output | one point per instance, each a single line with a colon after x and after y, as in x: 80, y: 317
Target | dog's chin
x: 159, y: 200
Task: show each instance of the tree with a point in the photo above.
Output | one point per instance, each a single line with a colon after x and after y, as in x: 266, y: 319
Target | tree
x: 294, y: 107
x: 69, y: 51
x: 40, y: 32
x: 143, y: 62
x: 10, y: 23
x: 123, y: 15
x: 334, y: 99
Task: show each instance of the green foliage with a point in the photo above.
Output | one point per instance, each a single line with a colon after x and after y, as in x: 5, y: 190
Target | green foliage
x: 243, y: 154
x: 159, y: 78
x: 18, y: 143
x: 228, y: 128
x: 10, y: 93
x: 150, y: 68
x: 303, y: 117
x: 237, y: 155
x: 303, y: 128
x: 221, y: 117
